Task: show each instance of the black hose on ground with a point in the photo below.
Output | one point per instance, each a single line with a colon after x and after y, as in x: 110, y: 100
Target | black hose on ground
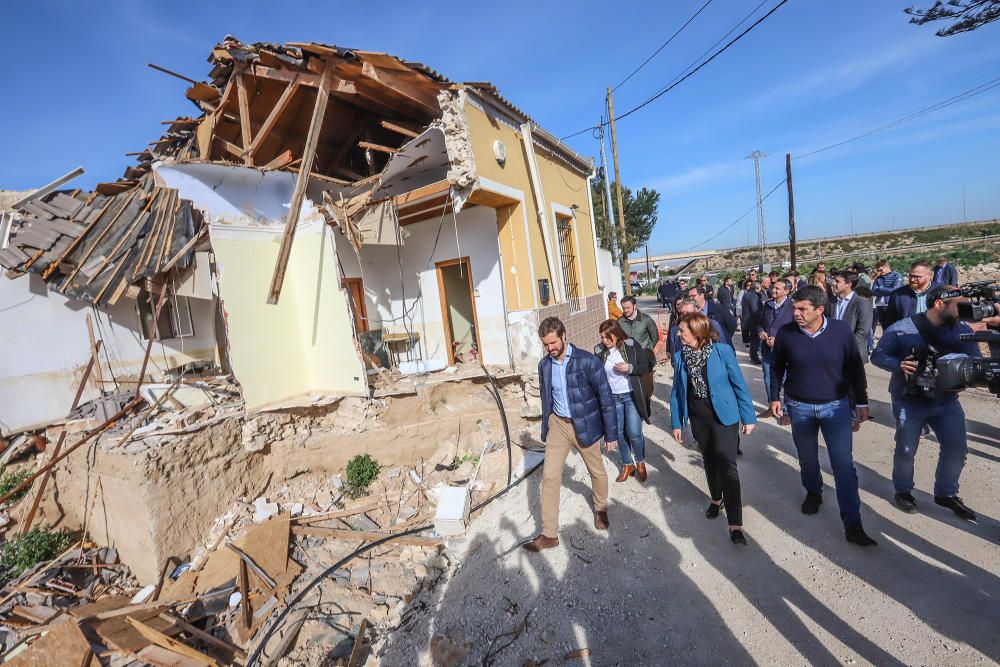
x: 503, y: 418
x: 254, y: 657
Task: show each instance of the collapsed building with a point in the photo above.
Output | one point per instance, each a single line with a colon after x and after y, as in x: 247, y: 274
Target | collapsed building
x: 330, y: 224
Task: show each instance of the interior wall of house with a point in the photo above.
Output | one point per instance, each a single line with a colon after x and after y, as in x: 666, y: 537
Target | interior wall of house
x: 42, y: 363
x: 387, y: 287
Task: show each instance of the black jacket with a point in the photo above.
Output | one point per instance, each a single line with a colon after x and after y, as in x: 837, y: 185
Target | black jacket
x: 725, y: 296
x: 751, y: 304
x: 716, y: 311
x: 642, y: 363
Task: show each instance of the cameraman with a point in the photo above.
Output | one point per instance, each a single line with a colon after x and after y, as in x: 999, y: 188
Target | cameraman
x: 900, y: 351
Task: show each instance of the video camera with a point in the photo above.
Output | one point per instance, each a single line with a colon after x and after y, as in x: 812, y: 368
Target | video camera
x: 985, y: 292
x: 956, y: 372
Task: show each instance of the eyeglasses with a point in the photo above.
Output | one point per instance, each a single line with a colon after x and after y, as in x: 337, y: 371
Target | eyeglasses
x: 919, y: 276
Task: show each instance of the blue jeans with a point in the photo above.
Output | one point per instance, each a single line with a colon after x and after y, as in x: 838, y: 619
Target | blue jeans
x: 834, y: 419
x: 947, y: 418
x: 766, y: 362
x: 631, y: 444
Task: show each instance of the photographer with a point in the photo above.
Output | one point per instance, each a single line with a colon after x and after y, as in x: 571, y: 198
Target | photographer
x: 903, y: 350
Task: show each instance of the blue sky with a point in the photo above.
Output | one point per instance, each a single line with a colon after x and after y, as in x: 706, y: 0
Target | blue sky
x: 78, y: 92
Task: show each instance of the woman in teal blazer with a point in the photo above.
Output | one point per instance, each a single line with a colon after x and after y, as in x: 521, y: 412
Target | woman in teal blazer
x: 709, y: 391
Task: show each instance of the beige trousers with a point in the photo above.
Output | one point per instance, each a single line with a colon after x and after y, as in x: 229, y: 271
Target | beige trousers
x: 561, y: 439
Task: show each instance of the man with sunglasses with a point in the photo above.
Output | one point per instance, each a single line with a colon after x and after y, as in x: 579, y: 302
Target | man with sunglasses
x: 911, y: 298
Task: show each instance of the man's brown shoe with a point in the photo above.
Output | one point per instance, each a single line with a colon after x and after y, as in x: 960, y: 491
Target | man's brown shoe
x: 627, y: 471
x: 600, y: 521
x: 541, y: 542
x: 767, y: 414
x: 640, y: 472
x: 784, y: 420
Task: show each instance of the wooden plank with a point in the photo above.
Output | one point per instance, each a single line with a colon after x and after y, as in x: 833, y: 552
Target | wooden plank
x: 272, y: 118
x: 83, y: 234
x: 359, y: 641
x: 186, y: 249
x: 378, y: 147
x: 170, y: 644
x: 420, y: 193
x: 301, y: 182
x: 243, y: 582
x: 417, y: 91
x: 399, y: 129
x: 95, y: 348
x: 230, y: 147
x: 282, y: 160
x: 334, y: 84
x: 364, y: 535
x: 244, y: 103
x: 150, y: 240
x: 126, y: 202
x: 206, y: 637
x: 157, y: 656
x: 63, y: 644
x: 168, y: 239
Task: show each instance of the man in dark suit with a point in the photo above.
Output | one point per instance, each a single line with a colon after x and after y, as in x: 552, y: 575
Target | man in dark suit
x: 852, y: 308
x: 945, y: 273
x: 911, y: 298
x: 752, y: 303
x: 726, y: 295
x: 714, y: 311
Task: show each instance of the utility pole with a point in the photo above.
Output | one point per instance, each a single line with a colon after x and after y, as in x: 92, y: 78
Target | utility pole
x: 761, y: 229
x: 622, y: 243
x: 607, y: 196
x: 647, y: 263
x: 791, y: 212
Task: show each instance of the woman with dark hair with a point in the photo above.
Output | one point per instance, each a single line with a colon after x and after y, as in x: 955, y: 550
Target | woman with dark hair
x: 709, y: 390
x: 625, y: 361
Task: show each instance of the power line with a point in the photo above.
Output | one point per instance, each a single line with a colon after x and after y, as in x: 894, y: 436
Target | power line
x: 662, y: 46
x: 961, y: 97
x: 685, y: 77
x: 737, y: 220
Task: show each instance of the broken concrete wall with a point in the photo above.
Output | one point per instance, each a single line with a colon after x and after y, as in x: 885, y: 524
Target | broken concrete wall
x: 422, y: 248
x: 46, y: 349
x: 458, y: 141
x: 158, y: 495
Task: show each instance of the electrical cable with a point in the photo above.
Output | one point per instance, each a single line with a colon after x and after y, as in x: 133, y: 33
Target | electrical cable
x: 254, y: 657
x: 955, y: 99
x: 503, y: 417
x: 678, y: 81
x: 662, y: 46
x: 737, y: 220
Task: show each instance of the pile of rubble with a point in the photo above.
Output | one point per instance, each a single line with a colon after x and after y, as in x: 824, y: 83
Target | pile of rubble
x: 275, y: 578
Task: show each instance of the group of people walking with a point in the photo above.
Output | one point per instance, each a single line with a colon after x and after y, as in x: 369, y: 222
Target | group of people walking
x: 812, y: 342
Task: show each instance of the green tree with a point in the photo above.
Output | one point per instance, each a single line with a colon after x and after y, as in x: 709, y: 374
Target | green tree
x: 640, y: 216
x: 965, y: 15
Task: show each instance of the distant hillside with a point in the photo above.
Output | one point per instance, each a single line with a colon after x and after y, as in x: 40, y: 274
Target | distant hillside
x: 969, y: 244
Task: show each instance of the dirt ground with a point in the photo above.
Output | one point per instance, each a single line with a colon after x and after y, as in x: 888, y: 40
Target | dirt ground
x: 665, y: 585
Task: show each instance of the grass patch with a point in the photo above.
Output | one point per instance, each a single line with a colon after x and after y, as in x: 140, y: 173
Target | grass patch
x: 22, y: 552
x: 362, y: 470
x: 9, y: 481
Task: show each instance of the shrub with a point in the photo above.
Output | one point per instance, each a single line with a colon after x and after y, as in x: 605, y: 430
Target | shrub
x: 23, y: 552
x: 9, y: 480
x: 362, y: 470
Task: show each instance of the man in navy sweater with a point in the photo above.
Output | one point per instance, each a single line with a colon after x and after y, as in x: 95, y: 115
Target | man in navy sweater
x: 776, y: 313
x: 824, y: 366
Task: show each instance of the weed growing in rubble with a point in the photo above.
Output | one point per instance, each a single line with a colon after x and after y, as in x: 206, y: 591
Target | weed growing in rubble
x: 361, y: 472
x: 9, y: 480
x: 23, y: 552
x: 464, y: 458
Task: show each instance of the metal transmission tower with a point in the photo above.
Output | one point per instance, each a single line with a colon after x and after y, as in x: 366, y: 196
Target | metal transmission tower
x: 761, y: 228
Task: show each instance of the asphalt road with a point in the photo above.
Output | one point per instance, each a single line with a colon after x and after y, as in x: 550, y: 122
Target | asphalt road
x: 665, y: 585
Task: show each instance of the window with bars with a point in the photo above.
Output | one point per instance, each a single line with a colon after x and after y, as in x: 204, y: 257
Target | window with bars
x: 567, y: 258
x: 175, y: 319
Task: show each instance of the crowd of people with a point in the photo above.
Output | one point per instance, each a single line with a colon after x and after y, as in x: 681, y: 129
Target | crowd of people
x: 812, y: 337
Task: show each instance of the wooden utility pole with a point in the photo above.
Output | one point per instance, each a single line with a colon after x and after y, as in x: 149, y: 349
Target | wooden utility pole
x: 627, y: 286
x: 791, y: 211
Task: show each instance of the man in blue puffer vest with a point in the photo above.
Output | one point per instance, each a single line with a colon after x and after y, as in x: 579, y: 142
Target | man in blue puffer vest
x: 578, y: 409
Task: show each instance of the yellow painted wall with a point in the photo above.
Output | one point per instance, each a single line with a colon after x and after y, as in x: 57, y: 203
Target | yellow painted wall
x: 560, y: 184
x: 302, y: 345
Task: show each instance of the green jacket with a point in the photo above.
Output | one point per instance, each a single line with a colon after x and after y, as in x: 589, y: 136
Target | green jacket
x: 643, y: 330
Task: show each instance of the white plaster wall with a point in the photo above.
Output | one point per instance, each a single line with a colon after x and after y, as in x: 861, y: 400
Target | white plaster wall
x: 384, y: 291
x: 45, y: 349
x: 524, y: 341
x: 609, y: 275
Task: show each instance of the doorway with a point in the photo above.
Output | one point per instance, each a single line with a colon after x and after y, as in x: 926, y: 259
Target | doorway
x: 458, y: 310
x: 356, y: 294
